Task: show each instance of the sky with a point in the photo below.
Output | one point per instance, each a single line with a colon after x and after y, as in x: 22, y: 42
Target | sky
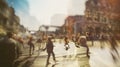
x: 34, y: 13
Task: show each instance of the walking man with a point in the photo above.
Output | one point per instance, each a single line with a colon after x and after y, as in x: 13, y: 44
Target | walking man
x: 49, y: 47
x: 32, y: 47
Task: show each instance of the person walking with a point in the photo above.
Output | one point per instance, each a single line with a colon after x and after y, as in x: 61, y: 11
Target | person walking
x: 83, y: 42
x: 8, y: 51
x: 32, y: 47
x: 49, y: 47
x: 39, y: 41
x: 66, y: 43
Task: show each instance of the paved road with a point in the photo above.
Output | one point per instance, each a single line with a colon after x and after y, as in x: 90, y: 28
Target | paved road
x: 74, y: 57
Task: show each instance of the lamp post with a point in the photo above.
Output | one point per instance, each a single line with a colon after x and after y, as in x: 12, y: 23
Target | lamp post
x: 46, y: 27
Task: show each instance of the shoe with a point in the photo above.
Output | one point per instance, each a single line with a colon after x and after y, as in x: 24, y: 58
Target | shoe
x: 88, y: 56
x: 48, y: 63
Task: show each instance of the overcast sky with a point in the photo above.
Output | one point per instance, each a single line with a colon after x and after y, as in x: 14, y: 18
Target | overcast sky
x: 34, y: 13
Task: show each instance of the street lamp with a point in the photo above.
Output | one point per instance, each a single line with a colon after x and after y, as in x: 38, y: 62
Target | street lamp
x: 46, y: 27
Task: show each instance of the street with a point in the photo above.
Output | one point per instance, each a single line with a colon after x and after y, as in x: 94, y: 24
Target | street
x: 73, y: 57
x: 77, y: 33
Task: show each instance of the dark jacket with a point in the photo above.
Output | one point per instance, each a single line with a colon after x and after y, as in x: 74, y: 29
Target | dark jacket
x: 49, y: 46
x: 7, y: 52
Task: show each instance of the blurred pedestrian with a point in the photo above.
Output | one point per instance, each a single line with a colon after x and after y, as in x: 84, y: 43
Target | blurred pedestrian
x: 8, y: 50
x: 49, y: 47
x: 102, y: 40
x: 19, y: 45
x: 83, y: 42
x: 21, y: 41
x: 31, y: 45
x: 113, y: 48
x: 92, y: 38
x: 77, y: 40
x: 66, y: 43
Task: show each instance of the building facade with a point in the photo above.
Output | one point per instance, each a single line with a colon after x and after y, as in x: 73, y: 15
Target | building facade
x: 74, y: 25
x: 103, y: 14
x: 8, y: 20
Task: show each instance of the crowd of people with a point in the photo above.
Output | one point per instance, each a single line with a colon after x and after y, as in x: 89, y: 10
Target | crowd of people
x: 11, y: 46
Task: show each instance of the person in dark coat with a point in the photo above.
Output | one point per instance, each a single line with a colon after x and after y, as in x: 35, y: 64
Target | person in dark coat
x: 8, y: 51
x: 39, y: 41
x: 32, y: 47
x: 49, y: 47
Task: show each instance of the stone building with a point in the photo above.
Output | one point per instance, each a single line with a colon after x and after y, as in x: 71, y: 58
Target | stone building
x: 74, y: 25
x: 103, y: 14
x: 8, y: 20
